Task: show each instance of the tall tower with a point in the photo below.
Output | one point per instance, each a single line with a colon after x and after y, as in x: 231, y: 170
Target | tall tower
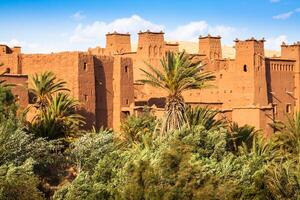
x: 150, y: 50
x: 151, y: 44
x: 117, y: 43
x: 293, y: 52
x: 250, y: 72
x: 211, y: 47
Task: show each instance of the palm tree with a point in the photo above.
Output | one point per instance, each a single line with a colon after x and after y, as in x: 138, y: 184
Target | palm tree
x: 3, y: 73
x: 205, y: 117
x: 240, y: 135
x: 59, y: 119
x: 44, y: 85
x: 55, y: 111
x: 288, y: 134
x: 179, y: 73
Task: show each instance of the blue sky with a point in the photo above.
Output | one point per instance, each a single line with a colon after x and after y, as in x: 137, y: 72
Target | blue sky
x: 50, y: 26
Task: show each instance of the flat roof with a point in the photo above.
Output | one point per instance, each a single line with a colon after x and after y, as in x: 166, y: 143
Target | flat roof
x: 209, y: 36
x: 279, y: 59
x: 151, y: 32
x: 116, y: 33
x: 14, y: 75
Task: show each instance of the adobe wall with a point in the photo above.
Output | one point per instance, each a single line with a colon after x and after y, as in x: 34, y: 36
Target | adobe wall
x: 211, y: 47
x: 86, y: 89
x: 20, y: 88
x: 117, y: 43
x: 293, y: 52
x: 150, y: 50
x: 97, y: 51
x: 254, y: 116
x: 104, y: 90
x: 10, y: 58
x: 280, y: 78
x: 76, y: 69
x: 123, y: 90
x: 171, y: 47
x: 63, y: 65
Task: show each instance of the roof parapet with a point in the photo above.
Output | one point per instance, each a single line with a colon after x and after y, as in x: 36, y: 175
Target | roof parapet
x: 117, y: 33
x: 209, y: 36
x: 250, y: 39
x: 150, y: 32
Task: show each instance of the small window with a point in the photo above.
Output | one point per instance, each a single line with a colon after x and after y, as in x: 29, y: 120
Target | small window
x: 245, y: 68
x: 126, y: 69
x: 85, y: 97
x: 221, y: 76
x: 288, y: 108
x: 8, y: 70
x: 31, y: 97
x: 127, y: 101
x: 85, y: 66
x: 124, y: 114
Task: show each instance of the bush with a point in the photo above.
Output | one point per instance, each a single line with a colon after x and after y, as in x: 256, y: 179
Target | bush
x: 19, y: 182
x: 16, y: 146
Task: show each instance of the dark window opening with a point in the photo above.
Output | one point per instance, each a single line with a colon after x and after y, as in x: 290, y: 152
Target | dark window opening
x: 288, y: 108
x: 85, y: 66
x: 127, y: 101
x: 245, y: 68
x: 8, y: 70
x: 86, y: 97
x: 124, y: 114
x: 31, y: 97
x: 126, y: 69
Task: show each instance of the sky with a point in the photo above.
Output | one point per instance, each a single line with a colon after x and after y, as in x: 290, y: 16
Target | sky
x: 43, y: 26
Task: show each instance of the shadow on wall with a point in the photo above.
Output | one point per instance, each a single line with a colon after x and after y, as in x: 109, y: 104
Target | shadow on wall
x: 158, y: 102
x: 103, y: 116
x: 88, y: 118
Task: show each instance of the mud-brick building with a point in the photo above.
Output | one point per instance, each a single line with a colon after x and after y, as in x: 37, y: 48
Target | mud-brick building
x: 250, y: 89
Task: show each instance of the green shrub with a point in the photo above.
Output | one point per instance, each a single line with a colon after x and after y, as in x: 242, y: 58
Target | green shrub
x: 19, y: 182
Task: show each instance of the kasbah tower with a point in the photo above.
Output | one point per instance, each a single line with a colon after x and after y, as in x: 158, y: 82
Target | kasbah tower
x: 250, y: 89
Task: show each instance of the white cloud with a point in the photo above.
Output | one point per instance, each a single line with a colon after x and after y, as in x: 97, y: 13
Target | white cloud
x: 274, y: 43
x: 193, y: 30
x: 96, y: 31
x: 297, y: 10
x: 221, y: 30
x: 190, y: 31
x: 78, y: 15
x: 14, y: 42
x: 274, y: 1
x: 284, y: 16
x: 94, y: 34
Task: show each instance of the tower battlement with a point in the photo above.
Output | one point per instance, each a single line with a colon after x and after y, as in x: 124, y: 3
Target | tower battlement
x: 4, y: 49
x: 210, y: 46
x: 117, y: 43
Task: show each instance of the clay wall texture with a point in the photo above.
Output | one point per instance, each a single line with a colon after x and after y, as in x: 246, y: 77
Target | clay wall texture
x: 20, y: 88
x: 250, y: 89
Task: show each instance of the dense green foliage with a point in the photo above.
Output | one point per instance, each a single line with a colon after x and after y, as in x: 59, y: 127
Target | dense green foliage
x: 205, y: 158
x: 19, y: 182
x: 188, y: 164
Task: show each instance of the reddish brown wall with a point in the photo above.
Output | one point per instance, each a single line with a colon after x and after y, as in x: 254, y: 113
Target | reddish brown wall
x: 86, y: 88
x: 20, y: 88
x: 104, y: 90
x: 281, y: 86
x: 10, y: 58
